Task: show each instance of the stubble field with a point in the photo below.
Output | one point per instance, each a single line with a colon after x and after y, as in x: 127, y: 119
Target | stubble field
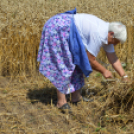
x: 27, y: 99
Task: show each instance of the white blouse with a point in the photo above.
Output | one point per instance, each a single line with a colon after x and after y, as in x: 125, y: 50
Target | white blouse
x: 94, y: 33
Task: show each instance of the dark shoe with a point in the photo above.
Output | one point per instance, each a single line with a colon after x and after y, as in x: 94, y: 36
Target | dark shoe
x: 65, y: 106
x: 65, y: 109
x: 83, y: 99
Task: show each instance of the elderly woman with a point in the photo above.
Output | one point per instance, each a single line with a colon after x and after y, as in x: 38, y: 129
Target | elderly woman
x: 69, y: 45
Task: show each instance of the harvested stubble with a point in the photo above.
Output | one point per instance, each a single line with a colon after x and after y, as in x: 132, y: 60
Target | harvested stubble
x: 30, y: 108
x: 119, y: 106
x: 120, y: 98
x: 21, y: 23
x: 114, y: 104
x: 24, y: 94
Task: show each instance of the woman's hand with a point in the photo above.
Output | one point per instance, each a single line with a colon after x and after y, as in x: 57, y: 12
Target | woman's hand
x: 125, y: 79
x: 107, y: 74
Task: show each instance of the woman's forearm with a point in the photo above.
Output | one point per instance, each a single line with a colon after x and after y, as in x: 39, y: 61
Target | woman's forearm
x: 113, y: 59
x: 98, y: 67
x: 118, y: 68
x: 95, y: 65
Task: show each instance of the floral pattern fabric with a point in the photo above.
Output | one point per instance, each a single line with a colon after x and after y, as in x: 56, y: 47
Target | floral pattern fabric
x: 56, y: 62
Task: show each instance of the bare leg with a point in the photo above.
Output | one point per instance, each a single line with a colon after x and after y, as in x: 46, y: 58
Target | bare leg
x: 61, y: 99
x: 76, y: 96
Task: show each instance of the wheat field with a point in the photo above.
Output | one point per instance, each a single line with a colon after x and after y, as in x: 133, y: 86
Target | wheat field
x: 27, y: 99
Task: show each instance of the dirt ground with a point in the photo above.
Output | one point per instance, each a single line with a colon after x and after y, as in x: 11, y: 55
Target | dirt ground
x: 27, y: 105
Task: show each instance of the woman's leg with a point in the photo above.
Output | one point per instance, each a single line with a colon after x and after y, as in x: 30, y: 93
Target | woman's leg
x: 61, y: 99
x: 77, y: 80
x: 76, y: 96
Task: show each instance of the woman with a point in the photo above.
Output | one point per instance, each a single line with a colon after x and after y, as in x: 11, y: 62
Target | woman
x: 69, y: 45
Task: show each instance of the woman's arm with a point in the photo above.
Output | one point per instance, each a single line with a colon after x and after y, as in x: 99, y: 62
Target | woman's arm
x: 112, y: 58
x: 98, y: 67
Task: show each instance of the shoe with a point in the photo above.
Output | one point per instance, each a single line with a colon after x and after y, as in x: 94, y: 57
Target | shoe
x: 65, y: 109
x: 65, y: 106
x: 83, y: 99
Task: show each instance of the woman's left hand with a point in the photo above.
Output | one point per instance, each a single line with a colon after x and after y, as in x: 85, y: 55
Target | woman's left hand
x: 125, y: 79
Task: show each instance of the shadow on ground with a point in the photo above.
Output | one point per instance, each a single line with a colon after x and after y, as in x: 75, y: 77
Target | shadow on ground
x: 44, y: 95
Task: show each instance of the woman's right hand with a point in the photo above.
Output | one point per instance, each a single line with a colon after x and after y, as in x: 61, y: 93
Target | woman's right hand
x: 107, y: 74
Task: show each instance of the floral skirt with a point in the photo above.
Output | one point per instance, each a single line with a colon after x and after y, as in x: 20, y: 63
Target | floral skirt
x: 56, y: 61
